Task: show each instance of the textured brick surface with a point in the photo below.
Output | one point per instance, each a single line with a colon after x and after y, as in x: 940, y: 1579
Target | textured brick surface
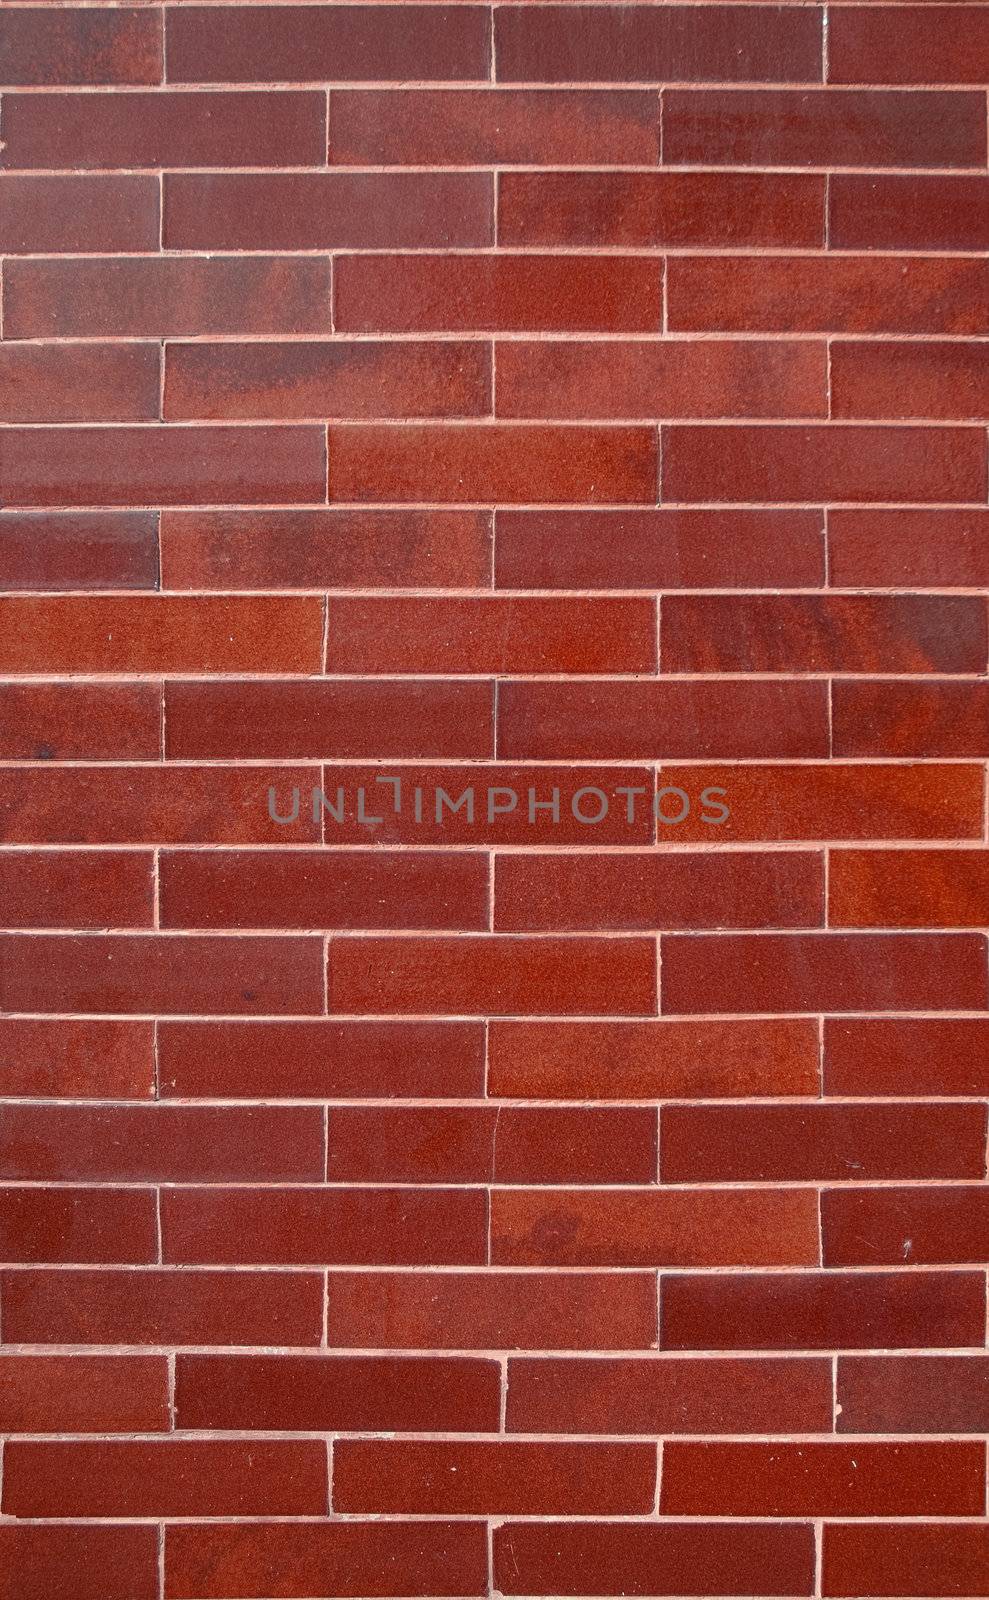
x: 494, y: 862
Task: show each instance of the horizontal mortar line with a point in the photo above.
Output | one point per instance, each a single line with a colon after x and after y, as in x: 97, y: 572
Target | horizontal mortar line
x: 414, y: 167
x: 605, y: 765
x: 480, y: 1353
x: 763, y: 846
x: 583, y: 678
x: 496, y: 1269
x: 913, y: 1014
x: 507, y: 249
x: 483, y: 335
x: 474, y: 1434
x: 774, y: 1184
x: 488, y: 1102
x: 473, y: 1519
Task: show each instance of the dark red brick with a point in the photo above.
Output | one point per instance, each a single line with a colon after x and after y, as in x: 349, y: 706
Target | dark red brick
x: 668, y: 1395
x: 650, y: 209
x: 920, y: 49
x: 913, y: 1394
x: 824, y: 971
x: 916, y: 1056
x: 79, y: 550
x: 474, y: 975
x: 325, y: 210
x: 160, y: 1306
x: 149, y: 296
x: 76, y: 889
x: 79, y: 383
x: 327, y: 548
x: 83, y: 1394
x: 637, y: 1228
x: 76, y: 45
x: 885, y: 718
x: 493, y: 1310
x: 320, y: 1060
x: 446, y: 1394
x: 909, y: 888
x: 71, y: 1225
x: 144, y: 973
x: 822, y: 1310
x: 908, y: 213
x: 909, y: 549
x: 873, y: 1558
x: 652, y: 1060
x: 171, y: 129
x: 505, y: 293
x: 75, y: 1059
x: 503, y: 127
x: 657, y: 549
x: 99, y: 1563
x: 930, y: 1224
x: 49, y: 214
x: 650, y: 1558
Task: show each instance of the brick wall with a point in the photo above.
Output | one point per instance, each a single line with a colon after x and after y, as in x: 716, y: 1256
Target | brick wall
x: 582, y: 408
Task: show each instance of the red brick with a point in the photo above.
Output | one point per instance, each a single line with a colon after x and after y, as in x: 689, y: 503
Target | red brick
x: 338, y: 1393
x: 491, y: 1144
x: 886, y: 718
x: 365, y: 1227
x: 930, y: 1224
x: 326, y: 548
x: 657, y: 549
x: 668, y: 1395
x: 840, y: 800
x: 625, y: 721
x: 329, y: 719
x: 676, y: 377
x: 152, y: 804
x: 175, y: 1144
x: 915, y: 1056
x: 824, y: 463
x: 316, y: 889
x: 79, y: 1060
x: 822, y: 127
x: 493, y: 1310
x: 497, y: 634
x: 363, y: 43
x: 648, y: 209
x: 78, y: 550
x: 503, y: 127
x: 171, y: 129
x: 99, y: 1563
x: 844, y: 294
x: 731, y: 1144
x: 271, y: 1561
x: 56, y: 1225
x: 925, y: 47
x: 315, y: 380
x: 480, y: 463
x: 144, y: 973
x: 79, y: 383
x: 913, y: 1394
x: 473, y: 975
x: 505, y: 1476
x: 822, y: 1310
x: 326, y: 210
x: 158, y: 1306
x: 173, y: 466
x: 76, y: 889
x: 902, y: 1560
x: 159, y: 295
x: 947, y: 381
x: 813, y: 1480
x: 627, y: 893
x: 79, y: 46
x: 909, y: 549
x: 823, y: 633
x: 824, y: 972
x: 672, y: 43
x: 909, y: 888
x: 909, y: 213
x: 161, y: 633
x: 83, y: 1394
x: 686, y: 1228
x: 51, y: 214
x: 173, y: 1478
x: 651, y: 1060
x: 496, y: 817
x: 649, y: 1558
x: 505, y: 293
x: 320, y: 1060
